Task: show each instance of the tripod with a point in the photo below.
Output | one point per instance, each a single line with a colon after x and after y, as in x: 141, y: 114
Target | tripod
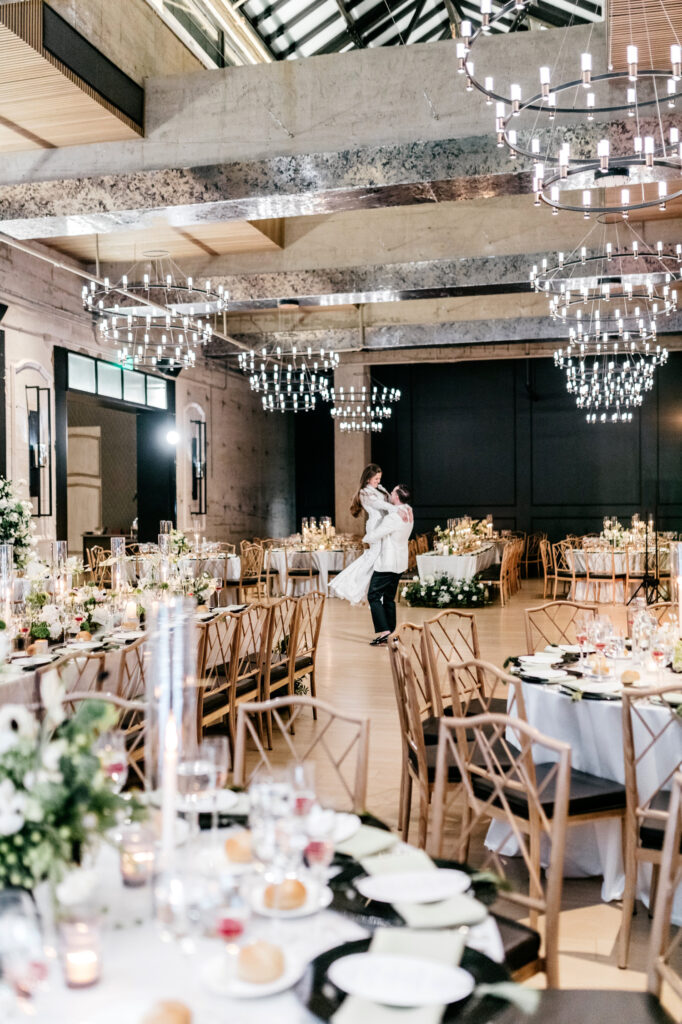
x: 650, y: 583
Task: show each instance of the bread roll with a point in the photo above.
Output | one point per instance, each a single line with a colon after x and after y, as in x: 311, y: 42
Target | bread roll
x: 629, y: 677
x: 84, y: 635
x: 238, y: 848
x: 168, y: 1012
x: 288, y: 895
x: 260, y: 963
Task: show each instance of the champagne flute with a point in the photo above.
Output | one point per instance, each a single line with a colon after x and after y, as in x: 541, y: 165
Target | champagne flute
x: 582, y: 623
x: 319, y: 851
x: 302, y: 777
x: 217, y: 750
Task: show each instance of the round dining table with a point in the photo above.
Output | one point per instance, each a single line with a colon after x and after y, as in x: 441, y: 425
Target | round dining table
x: 594, y: 730
x: 458, y: 567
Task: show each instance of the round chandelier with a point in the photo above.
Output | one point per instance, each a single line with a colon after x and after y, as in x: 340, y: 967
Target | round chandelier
x: 289, y: 380
x: 363, y: 409
x: 154, y: 315
x: 642, y: 168
x: 606, y: 389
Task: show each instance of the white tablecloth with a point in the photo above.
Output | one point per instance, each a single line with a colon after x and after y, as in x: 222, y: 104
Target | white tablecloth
x: 138, y: 969
x: 594, y: 730
x: 17, y: 686
x: 600, y: 562
x: 457, y: 567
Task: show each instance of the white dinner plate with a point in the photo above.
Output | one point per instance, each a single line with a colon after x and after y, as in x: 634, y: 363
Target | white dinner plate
x: 128, y: 634
x: 397, y: 980
x: 673, y: 697
x: 316, y: 899
x: 414, y: 886
x: 36, y: 660
x: 595, y: 686
x: 549, y: 675
x: 575, y: 648
x: 345, y: 826
x: 82, y: 645
x: 220, y: 978
x: 541, y: 657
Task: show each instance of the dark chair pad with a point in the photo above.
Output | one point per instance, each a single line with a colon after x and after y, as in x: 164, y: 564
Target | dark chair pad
x: 588, y: 794
x: 303, y: 573
x: 521, y: 943
x: 430, y: 725
x: 491, y: 574
x: 431, y: 755
x: 652, y: 831
x: 567, y: 1006
x: 250, y: 581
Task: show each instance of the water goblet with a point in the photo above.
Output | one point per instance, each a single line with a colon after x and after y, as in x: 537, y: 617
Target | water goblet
x: 110, y: 748
x: 302, y: 775
x: 217, y: 750
x: 319, y: 850
x: 196, y: 779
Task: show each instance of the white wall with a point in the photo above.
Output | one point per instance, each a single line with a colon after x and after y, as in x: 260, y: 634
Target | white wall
x: 250, y: 481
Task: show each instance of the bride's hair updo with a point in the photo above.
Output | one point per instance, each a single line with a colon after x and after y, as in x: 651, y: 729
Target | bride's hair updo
x: 367, y: 474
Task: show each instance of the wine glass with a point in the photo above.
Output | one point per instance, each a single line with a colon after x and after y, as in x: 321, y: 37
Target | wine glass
x: 22, y: 952
x: 582, y: 625
x: 217, y: 750
x: 302, y: 775
x: 184, y: 905
x: 319, y: 851
x: 232, y: 919
x: 110, y: 747
x: 196, y: 778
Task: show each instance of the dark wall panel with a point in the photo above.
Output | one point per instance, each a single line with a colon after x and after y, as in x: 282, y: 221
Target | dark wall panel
x: 314, y: 433
x: 505, y: 437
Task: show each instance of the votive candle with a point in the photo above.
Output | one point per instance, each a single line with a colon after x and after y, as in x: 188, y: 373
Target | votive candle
x: 81, y: 956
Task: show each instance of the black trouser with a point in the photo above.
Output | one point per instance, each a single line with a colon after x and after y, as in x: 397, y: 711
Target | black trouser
x: 381, y: 597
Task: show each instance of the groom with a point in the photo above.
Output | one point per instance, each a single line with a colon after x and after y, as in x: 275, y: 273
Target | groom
x: 394, y: 532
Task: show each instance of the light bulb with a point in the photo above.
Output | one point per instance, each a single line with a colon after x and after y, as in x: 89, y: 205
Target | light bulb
x: 676, y: 60
x: 632, y: 58
x: 586, y: 69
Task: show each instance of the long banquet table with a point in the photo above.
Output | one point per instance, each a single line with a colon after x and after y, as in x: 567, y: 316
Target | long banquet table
x: 458, y: 567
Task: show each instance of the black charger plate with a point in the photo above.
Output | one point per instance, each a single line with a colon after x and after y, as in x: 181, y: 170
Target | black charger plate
x: 323, y: 999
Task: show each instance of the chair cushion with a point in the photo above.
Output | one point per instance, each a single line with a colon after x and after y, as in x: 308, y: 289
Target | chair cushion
x: 250, y: 581
x: 491, y: 573
x: 521, y: 943
x: 431, y: 755
x: 248, y: 685
x: 269, y: 572
x: 430, y: 725
x: 563, y: 1006
x: 304, y: 572
x: 652, y: 831
x: 588, y: 794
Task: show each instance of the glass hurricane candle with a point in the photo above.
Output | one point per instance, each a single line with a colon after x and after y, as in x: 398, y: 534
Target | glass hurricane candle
x: 80, y: 942
x: 137, y: 855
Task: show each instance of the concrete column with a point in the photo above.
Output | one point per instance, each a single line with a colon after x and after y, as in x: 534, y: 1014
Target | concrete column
x: 352, y: 452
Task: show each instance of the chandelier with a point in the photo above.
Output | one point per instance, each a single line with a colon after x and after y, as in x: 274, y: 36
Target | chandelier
x: 636, y: 166
x: 289, y: 380
x: 363, y: 409
x: 155, y: 316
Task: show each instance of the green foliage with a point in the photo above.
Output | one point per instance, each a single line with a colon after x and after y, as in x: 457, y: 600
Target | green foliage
x: 444, y: 592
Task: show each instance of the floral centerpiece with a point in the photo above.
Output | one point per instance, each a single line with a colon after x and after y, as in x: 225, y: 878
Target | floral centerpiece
x: 55, y: 799
x: 466, y: 536
x: 16, y: 525
x: 444, y: 592
x: 179, y: 545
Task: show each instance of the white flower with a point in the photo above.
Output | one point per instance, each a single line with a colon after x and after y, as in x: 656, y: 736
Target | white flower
x: 12, y: 804
x: 52, y: 755
x: 414, y: 579
x: 16, y: 723
x: 77, y: 887
x: 52, y: 694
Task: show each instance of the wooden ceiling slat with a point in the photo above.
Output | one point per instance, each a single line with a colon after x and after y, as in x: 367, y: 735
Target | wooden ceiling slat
x: 651, y: 25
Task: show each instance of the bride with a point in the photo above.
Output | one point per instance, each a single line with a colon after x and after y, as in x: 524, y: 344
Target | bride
x: 353, y: 583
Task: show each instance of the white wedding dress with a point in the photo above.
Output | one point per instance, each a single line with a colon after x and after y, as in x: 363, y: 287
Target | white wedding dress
x: 353, y: 583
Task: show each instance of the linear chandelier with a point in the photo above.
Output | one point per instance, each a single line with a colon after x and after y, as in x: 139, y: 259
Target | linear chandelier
x: 542, y: 125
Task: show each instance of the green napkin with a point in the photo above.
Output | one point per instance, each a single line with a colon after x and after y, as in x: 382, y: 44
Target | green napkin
x: 443, y: 947
x: 454, y: 912
x: 367, y: 841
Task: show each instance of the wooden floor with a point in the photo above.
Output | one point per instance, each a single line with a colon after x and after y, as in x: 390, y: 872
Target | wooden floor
x: 356, y: 677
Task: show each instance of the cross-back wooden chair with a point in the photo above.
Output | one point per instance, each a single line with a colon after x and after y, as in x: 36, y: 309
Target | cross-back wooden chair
x: 547, y: 559
x: 270, y: 572
x: 417, y: 719
x: 250, y: 654
x: 662, y: 610
x: 412, y: 553
x: 215, y: 666
x: 564, y: 568
x: 77, y: 672
x: 251, y: 585
x: 304, y: 575
x: 652, y: 747
x: 422, y: 543
x: 477, y: 686
x: 531, y: 552
x: 306, y: 637
x: 553, y: 623
x: 509, y: 789
x: 450, y: 636
x: 603, y: 572
x: 502, y: 575
x: 339, y: 744
x: 278, y: 664
x: 662, y: 949
x: 130, y: 682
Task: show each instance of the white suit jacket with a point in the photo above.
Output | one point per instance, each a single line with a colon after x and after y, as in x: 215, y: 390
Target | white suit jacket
x: 394, y: 534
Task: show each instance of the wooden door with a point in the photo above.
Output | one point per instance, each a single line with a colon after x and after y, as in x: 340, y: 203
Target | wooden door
x: 84, y: 484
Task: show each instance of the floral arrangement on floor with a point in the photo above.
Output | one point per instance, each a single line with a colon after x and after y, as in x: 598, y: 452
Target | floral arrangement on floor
x: 16, y: 525
x: 55, y: 799
x: 444, y: 592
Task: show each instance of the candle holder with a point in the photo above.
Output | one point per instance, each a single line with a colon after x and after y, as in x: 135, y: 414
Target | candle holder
x: 172, y: 697
x: 137, y: 855
x: 6, y: 581
x: 118, y: 566
x: 80, y: 948
x: 165, y: 526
